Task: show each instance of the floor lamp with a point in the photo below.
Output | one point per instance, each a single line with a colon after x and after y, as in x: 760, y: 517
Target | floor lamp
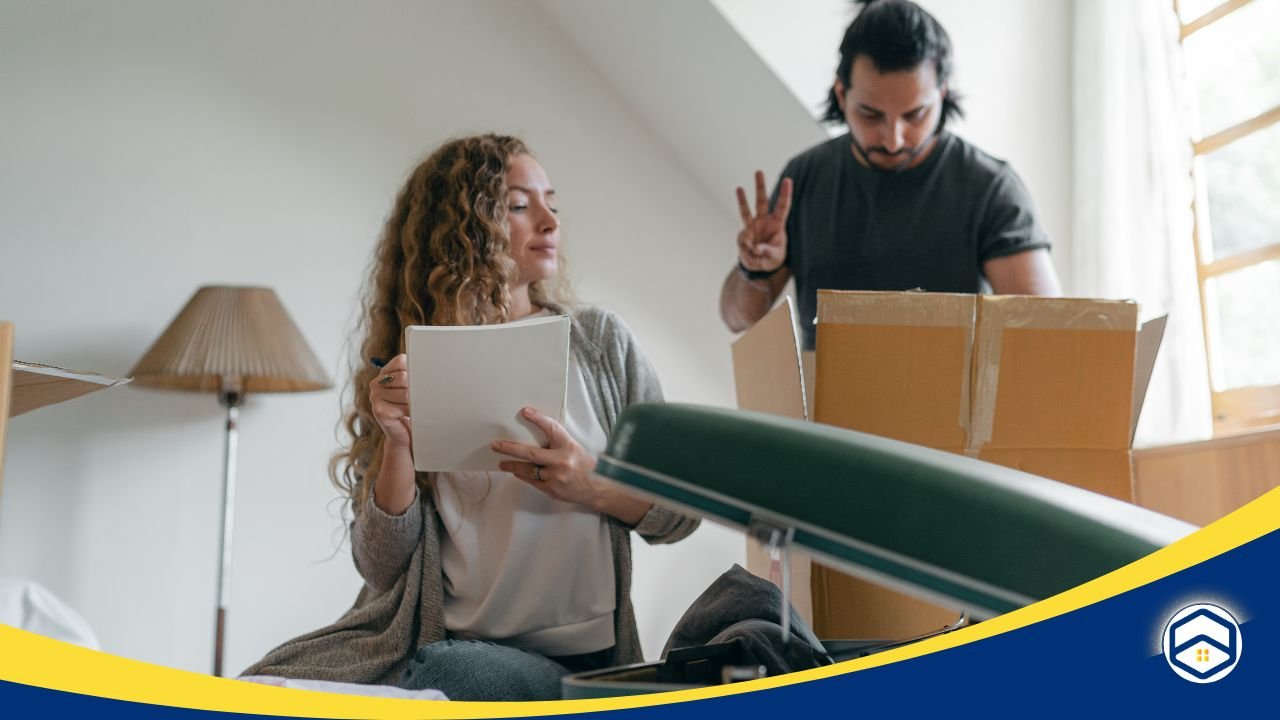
x: 230, y: 341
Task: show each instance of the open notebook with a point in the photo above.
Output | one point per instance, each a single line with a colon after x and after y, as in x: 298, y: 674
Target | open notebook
x: 468, y: 383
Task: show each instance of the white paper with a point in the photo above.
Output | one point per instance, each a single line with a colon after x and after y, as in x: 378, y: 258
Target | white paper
x: 467, y: 385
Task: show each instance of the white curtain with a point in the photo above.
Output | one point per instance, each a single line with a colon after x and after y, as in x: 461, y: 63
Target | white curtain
x: 1133, y: 193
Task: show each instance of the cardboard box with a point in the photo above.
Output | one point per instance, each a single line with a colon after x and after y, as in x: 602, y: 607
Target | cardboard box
x: 1051, y: 386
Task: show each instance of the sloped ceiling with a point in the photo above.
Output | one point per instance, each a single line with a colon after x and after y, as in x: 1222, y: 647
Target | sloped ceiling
x: 700, y: 88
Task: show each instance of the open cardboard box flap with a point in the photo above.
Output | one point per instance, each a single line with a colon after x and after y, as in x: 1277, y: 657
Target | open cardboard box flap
x: 36, y: 385
x: 1144, y: 363
x: 767, y: 368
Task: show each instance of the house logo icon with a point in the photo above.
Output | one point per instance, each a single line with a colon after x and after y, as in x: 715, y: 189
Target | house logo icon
x: 1202, y: 643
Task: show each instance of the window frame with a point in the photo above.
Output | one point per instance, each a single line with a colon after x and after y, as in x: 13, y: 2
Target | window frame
x: 1243, y: 408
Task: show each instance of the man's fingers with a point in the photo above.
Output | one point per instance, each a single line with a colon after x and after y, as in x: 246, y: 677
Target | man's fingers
x: 762, y: 197
x: 744, y: 210
x: 784, y: 201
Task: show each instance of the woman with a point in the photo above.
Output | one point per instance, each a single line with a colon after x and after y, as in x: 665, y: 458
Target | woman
x: 488, y: 586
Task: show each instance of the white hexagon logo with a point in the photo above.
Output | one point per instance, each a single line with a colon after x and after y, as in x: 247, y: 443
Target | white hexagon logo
x: 1202, y: 643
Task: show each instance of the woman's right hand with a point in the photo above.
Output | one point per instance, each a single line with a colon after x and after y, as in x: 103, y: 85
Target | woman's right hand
x: 390, y: 402
x: 394, y: 490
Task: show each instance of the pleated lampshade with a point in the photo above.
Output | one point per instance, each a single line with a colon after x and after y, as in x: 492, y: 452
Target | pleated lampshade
x: 240, y: 335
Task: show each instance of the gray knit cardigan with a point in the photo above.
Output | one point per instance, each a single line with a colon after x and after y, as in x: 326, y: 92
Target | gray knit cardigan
x: 401, y: 606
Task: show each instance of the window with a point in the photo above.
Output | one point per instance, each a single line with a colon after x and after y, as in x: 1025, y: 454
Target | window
x: 1233, y: 63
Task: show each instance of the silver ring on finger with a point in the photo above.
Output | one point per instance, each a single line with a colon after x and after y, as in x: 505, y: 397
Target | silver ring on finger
x: 537, y: 473
x: 385, y: 380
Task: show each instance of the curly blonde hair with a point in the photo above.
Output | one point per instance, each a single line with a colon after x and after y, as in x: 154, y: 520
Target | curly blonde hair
x: 443, y: 259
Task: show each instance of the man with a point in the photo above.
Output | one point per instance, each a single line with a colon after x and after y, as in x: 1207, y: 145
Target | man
x: 897, y: 203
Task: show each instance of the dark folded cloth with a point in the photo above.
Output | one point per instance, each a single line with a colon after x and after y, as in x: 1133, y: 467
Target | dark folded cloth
x: 746, y: 610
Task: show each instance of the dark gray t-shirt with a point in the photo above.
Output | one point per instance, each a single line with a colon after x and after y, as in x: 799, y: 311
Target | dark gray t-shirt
x: 932, y: 226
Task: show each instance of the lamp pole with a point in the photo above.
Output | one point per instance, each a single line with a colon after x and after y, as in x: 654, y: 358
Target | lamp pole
x: 230, y: 397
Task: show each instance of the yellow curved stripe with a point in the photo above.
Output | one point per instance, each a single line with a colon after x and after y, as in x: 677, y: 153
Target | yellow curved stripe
x: 34, y: 660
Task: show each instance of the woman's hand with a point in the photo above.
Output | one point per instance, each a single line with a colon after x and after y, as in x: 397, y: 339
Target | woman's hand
x: 565, y: 471
x: 561, y: 470
x: 389, y: 397
x: 394, y: 490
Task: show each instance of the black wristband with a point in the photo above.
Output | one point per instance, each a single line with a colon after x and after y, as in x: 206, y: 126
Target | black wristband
x: 757, y: 274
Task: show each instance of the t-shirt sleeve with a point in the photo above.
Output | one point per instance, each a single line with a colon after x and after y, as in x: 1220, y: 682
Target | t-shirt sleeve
x: 1009, y: 225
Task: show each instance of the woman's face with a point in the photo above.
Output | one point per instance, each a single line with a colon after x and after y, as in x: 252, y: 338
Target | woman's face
x: 531, y: 220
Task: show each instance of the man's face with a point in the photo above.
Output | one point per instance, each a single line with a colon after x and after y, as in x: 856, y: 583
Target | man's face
x: 892, y: 116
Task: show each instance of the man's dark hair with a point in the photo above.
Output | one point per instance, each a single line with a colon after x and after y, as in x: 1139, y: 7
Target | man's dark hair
x: 896, y: 35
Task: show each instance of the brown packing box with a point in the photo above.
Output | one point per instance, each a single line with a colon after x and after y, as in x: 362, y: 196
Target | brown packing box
x: 1046, y: 385
x: 896, y: 365
x: 1053, y: 389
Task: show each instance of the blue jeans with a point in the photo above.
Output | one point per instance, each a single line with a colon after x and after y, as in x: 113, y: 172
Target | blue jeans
x: 474, y: 670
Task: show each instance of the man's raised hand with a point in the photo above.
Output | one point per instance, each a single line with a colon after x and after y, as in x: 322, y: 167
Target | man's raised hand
x: 762, y: 242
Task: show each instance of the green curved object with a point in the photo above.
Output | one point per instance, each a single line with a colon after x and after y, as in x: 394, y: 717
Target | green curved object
x: 966, y: 533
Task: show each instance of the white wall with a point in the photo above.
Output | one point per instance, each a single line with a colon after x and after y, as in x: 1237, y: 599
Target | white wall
x: 698, y: 85
x: 149, y: 147
x: 1012, y: 65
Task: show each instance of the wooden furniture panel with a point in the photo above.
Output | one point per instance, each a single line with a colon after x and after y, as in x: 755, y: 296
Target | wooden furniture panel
x: 1202, y: 481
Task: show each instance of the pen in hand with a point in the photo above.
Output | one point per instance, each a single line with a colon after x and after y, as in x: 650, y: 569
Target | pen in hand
x: 378, y: 362
x: 395, y: 489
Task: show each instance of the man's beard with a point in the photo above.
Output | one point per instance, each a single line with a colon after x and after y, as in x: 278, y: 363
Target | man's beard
x: 908, y: 155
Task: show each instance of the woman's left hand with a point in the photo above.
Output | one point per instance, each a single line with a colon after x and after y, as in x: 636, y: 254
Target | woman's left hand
x: 562, y: 470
